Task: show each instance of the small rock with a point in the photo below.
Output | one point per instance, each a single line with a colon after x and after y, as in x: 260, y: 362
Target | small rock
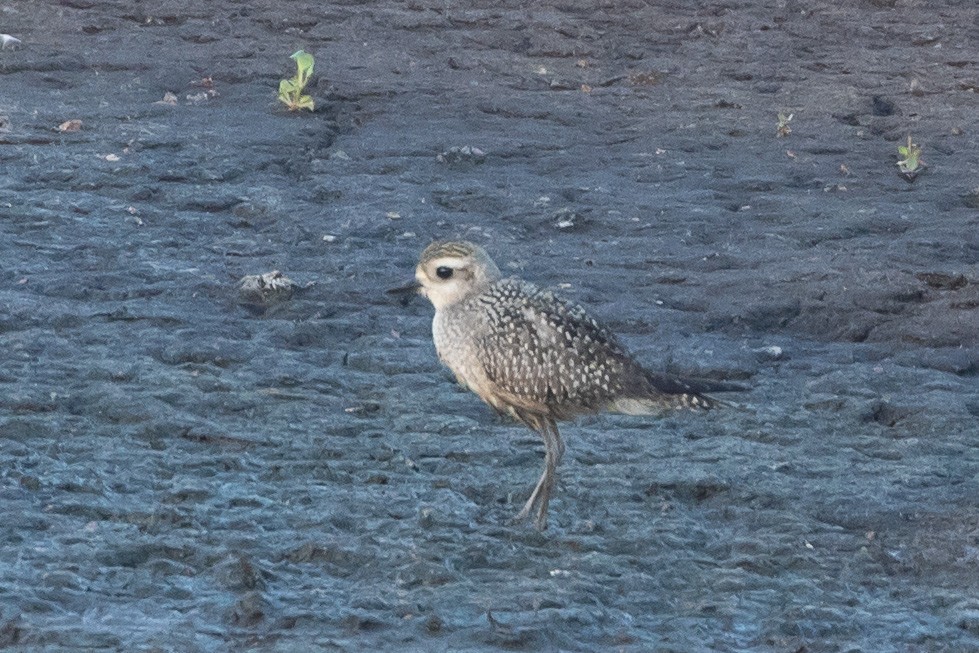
x: 464, y: 154
x: 770, y: 353
x: 567, y: 219
x: 8, y: 42
x: 264, y: 290
x: 70, y: 126
x: 169, y: 99
x: 203, y: 96
x: 558, y: 84
x: 426, y: 518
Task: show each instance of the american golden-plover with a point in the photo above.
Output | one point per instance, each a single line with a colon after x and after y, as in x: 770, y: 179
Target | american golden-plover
x: 535, y: 356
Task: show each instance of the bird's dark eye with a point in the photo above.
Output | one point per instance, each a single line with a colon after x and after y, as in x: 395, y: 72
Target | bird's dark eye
x: 444, y: 272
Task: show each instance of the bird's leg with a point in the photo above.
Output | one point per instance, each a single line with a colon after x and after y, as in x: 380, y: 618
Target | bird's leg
x: 560, y: 443
x: 556, y: 446
x: 553, y: 451
x: 532, y: 501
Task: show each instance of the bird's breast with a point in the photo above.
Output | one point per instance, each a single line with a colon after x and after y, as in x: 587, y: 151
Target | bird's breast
x: 455, y: 334
x: 452, y: 342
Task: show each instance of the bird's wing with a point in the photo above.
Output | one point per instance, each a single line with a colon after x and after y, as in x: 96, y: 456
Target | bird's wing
x: 549, y: 356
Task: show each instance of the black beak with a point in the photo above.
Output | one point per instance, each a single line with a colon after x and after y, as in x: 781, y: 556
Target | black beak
x: 405, y: 293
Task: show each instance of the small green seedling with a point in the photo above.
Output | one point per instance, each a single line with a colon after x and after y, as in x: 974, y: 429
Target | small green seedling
x: 782, y: 129
x: 910, y: 164
x: 291, y: 90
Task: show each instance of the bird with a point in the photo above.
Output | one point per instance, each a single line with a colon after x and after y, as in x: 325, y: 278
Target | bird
x: 537, y: 357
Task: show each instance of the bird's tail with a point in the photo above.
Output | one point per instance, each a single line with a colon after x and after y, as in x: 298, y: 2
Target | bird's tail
x: 663, y: 392
x: 655, y: 405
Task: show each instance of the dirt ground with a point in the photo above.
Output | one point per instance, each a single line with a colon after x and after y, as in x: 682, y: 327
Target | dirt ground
x: 179, y: 472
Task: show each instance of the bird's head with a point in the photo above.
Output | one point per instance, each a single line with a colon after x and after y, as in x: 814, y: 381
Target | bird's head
x: 450, y: 271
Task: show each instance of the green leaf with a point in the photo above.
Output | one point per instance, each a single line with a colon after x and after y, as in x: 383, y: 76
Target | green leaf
x: 290, y: 90
x: 911, y: 156
x: 305, y: 102
x: 304, y: 66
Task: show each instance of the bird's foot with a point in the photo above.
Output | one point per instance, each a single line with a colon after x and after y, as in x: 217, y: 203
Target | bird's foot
x: 537, y: 506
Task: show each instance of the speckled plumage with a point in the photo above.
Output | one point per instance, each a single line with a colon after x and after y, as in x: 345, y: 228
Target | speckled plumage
x: 533, y: 355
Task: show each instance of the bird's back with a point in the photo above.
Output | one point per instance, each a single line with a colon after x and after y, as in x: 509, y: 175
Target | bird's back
x: 524, y: 350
